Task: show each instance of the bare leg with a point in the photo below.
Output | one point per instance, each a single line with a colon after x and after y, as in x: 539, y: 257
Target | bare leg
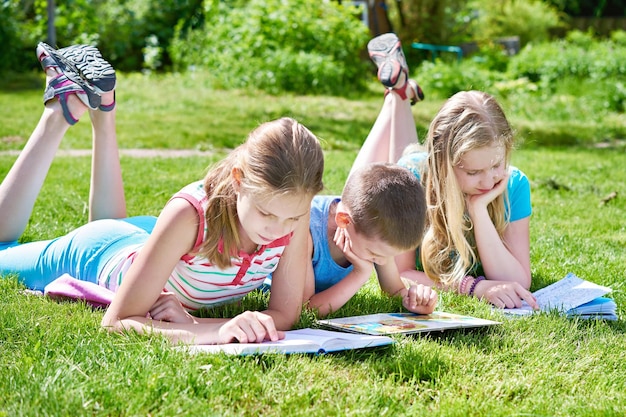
x: 22, y: 185
x: 392, y: 132
x: 106, y: 195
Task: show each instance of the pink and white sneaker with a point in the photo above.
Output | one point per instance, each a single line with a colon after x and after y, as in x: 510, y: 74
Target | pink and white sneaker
x: 386, y: 52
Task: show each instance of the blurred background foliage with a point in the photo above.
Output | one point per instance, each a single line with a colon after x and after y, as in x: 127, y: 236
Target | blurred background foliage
x: 267, y: 40
x: 566, y: 63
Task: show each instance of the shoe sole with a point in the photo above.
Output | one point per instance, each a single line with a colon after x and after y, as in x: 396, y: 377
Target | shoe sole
x: 386, y: 52
x: 71, y: 72
x: 89, y: 64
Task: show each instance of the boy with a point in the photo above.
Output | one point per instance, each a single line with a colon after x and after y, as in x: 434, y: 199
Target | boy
x: 380, y: 214
x: 382, y: 210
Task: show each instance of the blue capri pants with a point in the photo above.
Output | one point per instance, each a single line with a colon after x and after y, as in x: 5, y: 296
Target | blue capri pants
x: 81, y: 253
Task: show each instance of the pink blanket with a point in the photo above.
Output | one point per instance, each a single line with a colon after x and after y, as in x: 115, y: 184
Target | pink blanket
x: 67, y: 287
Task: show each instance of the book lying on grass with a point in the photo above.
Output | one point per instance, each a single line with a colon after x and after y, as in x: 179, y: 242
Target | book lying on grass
x: 572, y: 297
x: 317, y: 341
x: 405, y: 323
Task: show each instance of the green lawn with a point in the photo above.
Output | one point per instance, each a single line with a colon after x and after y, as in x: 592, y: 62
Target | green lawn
x: 55, y: 360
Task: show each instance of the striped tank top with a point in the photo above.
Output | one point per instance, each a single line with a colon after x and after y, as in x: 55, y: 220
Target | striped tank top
x: 195, y: 281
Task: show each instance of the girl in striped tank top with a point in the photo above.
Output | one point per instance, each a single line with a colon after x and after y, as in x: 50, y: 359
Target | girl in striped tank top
x: 214, y: 241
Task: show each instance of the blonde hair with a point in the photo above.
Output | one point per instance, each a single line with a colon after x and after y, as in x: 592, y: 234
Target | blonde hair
x: 279, y: 157
x: 467, y: 121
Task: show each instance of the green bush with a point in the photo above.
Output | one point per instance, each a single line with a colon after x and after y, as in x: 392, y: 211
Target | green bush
x: 531, y: 20
x: 132, y: 34
x: 136, y: 34
x: 16, y: 55
x: 303, y: 46
x: 455, y: 22
x: 580, y: 66
x: 564, y: 92
x: 443, y: 80
x: 578, y: 55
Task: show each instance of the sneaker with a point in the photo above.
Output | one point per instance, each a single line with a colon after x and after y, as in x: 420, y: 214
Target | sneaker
x: 50, y: 58
x: 386, y: 52
x: 90, y: 65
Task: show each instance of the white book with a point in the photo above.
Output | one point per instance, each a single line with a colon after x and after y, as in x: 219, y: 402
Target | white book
x: 573, y: 297
x: 316, y: 341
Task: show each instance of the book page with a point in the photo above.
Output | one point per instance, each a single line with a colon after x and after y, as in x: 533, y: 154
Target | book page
x: 297, y: 341
x: 332, y: 341
x: 563, y: 295
x: 291, y: 343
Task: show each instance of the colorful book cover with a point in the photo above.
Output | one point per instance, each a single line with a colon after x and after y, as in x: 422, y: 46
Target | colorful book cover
x: 405, y: 323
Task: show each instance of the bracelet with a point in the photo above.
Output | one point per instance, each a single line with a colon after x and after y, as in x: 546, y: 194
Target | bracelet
x: 463, y: 284
x: 473, y: 287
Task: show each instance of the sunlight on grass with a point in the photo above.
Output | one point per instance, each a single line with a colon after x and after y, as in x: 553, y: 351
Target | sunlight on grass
x: 55, y: 360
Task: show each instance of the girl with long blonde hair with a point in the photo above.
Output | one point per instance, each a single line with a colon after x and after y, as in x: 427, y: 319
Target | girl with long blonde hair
x: 478, y: 205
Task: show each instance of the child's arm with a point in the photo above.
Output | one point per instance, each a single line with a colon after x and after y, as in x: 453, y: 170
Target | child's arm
x: 335, y: 297
x: 309, y: 283
x: 406, y: 265
x: 506, y: 259
x: 168, y: 308
x: 509, y: 293
x: 499, y: 293
x: 173, y: 236
x: 416, y: 298
x: 285, y: 304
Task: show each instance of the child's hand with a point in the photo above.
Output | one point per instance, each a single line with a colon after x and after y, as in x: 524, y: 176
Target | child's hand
x: 505, y: 294
x: 250, y: 327
x: 342, y: 240
x: 420, y: 299
x: 483, y: 200
x: 168, y: 308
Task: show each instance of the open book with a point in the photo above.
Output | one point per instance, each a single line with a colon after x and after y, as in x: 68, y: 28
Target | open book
x: 315, y: 341
x: 573, y: 297
x: 405, y: 323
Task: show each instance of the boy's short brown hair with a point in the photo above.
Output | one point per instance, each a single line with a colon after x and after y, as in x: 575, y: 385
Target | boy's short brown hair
x: 386, y: 201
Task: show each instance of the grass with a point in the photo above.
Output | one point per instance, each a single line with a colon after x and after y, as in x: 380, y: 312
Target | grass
x: 54, y: 359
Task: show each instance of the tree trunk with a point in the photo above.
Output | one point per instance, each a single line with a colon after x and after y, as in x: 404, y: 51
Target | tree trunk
x: 52, y: 33
x: 378, y: 20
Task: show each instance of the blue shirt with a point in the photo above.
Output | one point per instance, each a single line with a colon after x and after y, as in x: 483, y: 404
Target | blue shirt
x: 327, y: 272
